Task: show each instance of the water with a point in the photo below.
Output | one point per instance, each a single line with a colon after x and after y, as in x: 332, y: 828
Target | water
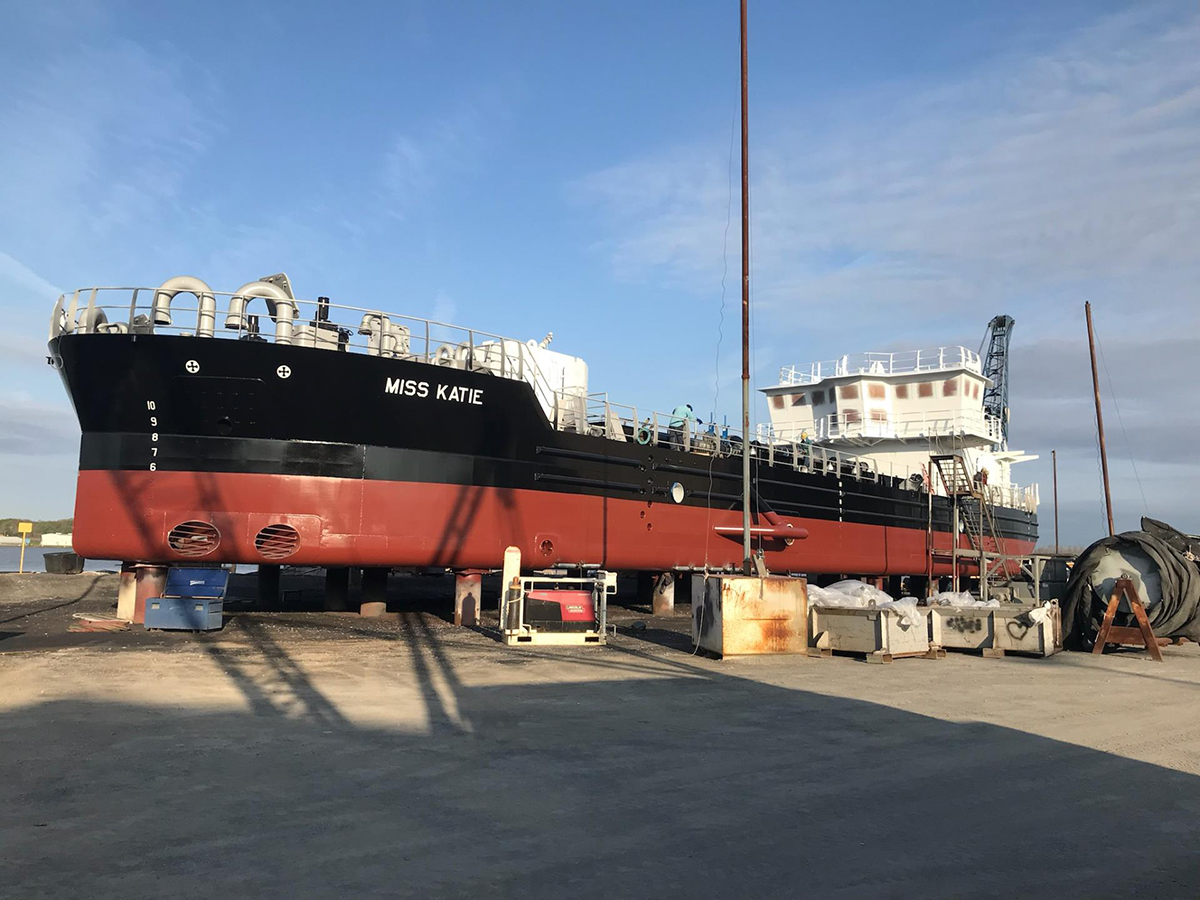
x: 10, y: 558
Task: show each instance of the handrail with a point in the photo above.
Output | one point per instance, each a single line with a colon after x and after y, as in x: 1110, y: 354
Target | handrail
x: 933, y: 359
x: 918, y: 423
x: 307, y: 324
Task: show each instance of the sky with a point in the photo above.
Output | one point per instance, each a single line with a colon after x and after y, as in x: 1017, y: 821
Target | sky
x: 520, y: 167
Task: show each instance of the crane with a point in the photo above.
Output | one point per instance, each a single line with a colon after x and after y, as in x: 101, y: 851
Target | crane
x: 995, y: 368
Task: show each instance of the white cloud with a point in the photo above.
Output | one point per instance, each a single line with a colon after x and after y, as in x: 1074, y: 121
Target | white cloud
x: 911, y: 213
x: 424, y: 156
x: 1035, y: 171
x: 28, y: 427
x: 94, y: 156
x: 17, y: 273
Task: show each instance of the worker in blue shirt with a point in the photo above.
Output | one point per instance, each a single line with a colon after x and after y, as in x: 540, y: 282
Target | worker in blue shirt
x: 680, y: 417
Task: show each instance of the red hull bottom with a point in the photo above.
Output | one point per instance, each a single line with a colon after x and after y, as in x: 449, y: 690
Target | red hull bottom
x: 127, y: 515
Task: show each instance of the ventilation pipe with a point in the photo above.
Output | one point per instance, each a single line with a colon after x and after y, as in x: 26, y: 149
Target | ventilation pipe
x: 377, y: 327
x: 206, y: 318
x: 93, y: 320
x: 282, y: 308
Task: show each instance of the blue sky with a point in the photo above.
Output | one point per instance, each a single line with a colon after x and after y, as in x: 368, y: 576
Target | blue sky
x: 525, y: 167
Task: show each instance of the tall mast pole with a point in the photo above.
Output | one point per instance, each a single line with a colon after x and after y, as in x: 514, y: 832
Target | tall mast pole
x: 746, y: 551
x: 1087, y: 309
x: 1054, y: 465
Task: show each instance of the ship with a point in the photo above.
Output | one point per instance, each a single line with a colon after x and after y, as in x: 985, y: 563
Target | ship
x: 250, y: 426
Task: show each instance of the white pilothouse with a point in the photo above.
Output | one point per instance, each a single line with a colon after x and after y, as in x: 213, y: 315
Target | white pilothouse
x: 899, y: 409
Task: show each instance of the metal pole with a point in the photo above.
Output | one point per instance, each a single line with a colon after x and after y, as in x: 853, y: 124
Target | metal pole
x: 747, y: 562
x: 1087, y: 309
x: 1054, y: 466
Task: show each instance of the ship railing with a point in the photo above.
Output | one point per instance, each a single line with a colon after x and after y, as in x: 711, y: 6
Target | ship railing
x: 1014, y: 496
x: 305, y: 323
x: 879, y: 425
x: 874, y: 363
x: 1010, y: 495
x: 625, y: 423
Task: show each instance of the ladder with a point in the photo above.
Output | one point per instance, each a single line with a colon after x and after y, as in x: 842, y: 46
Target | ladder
x: 970, y: 513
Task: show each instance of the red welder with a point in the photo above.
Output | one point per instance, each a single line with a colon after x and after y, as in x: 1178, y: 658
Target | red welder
x: 556, y: 609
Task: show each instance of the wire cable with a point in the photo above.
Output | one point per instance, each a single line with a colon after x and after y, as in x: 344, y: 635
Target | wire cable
x: 720, y: 338
x: 1128, y: 448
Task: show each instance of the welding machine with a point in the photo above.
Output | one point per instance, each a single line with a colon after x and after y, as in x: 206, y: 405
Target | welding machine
x: 554, y: 609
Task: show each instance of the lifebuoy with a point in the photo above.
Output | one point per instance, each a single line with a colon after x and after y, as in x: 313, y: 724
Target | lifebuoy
x: 643, y: 435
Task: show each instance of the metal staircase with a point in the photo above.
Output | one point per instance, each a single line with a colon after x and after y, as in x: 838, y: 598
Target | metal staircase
x: 971, y: 514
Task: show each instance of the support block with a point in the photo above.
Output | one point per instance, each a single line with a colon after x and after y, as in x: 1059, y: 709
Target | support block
x: 663, y: 599
x: 337, y: 589
x: 268, y: 587
x: 127, y: 592
x: 374, y: 592
x: 467, y: 591
x: 151, y: 582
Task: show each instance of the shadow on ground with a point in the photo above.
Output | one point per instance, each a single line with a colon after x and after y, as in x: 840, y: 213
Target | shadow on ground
x: 650, y: 776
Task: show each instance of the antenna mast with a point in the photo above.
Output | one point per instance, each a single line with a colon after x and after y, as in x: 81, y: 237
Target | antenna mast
x: 747, y: 561
x: 1087, y: 311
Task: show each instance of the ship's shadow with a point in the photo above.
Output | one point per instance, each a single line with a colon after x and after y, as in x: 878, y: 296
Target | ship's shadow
x: 602, y: 773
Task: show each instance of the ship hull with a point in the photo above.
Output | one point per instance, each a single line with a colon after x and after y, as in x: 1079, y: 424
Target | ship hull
x: 359, y: 465
x: 387, y: 523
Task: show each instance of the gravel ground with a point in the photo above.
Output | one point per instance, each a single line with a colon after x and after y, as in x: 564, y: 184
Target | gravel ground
x: 311, y: 755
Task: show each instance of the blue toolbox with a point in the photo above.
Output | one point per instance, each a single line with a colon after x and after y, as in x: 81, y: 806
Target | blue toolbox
x: 193, y: 600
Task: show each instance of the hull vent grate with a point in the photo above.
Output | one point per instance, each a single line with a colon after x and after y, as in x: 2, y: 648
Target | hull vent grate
x: 194, y: 539
x: 277, y: 541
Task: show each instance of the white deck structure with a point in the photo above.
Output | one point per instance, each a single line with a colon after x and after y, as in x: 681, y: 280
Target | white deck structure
x: 896, y: 409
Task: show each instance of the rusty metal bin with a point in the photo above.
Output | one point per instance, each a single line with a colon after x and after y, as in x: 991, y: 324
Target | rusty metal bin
x: 742, y: 616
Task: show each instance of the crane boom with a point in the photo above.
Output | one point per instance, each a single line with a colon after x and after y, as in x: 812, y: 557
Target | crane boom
x: 995, y: 367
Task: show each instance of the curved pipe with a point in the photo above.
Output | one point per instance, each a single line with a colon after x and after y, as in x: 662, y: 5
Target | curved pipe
x: 92, y: 320
x: 376, y: 326
x: 283, y: 308
x: 206, y: 317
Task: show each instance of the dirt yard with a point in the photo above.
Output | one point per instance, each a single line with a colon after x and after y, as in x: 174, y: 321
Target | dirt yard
x: 316, y: 755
